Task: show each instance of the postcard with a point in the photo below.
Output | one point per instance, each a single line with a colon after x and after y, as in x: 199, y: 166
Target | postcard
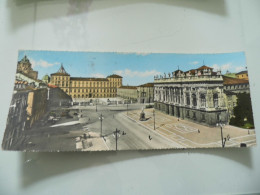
x: 108, y: 101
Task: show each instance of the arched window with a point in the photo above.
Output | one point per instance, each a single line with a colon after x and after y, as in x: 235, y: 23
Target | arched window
x: 202, y: 100
x: 188, y: 99
x: 194, y: 100
x: 215, y: 100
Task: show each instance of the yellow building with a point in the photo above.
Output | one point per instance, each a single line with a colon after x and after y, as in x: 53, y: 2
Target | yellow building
x: 81, y: 87
x: 242, y: 75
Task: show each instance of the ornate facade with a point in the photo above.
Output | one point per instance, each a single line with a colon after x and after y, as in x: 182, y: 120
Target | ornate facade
x: 79, y: 87
x: 195, y: 95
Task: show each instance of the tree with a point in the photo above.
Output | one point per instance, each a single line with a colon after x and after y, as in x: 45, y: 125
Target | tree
x: 243, y: 111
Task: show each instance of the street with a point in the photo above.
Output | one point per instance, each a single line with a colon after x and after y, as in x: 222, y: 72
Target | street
x: 67, y: 133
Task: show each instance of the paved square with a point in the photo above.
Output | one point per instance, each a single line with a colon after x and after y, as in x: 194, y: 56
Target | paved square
x: 190, y: 134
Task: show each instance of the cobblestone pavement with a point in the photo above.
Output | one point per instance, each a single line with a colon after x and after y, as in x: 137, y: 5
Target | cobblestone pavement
x: 190, y: 134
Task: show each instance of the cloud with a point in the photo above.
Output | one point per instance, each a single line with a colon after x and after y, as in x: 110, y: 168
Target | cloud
x: 42, y: 63
x: 130, y: 73
x: 215, y: 67
x: 223, y: 67
x: 194, y: 62
x: 98, y: 75
x: 226, y: 66
x: 240, y: 68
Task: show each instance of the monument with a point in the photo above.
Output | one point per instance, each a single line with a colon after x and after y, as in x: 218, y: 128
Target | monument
x: 142, y: 115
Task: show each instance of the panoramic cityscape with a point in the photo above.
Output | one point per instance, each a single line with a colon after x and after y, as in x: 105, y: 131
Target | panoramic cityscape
x: 99, y: 101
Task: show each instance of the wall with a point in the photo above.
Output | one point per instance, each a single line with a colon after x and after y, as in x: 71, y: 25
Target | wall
x: 57, y: 97
x: 17, y: 118
x: 37, y: 104
x: 143, y: 26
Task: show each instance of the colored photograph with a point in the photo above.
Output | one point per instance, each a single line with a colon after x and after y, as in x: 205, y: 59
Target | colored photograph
x: 107, y: 101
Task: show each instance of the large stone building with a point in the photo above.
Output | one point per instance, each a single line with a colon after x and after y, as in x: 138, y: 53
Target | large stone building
x: 145, y: 93
x: 141, y: 94
x: 128, y: 93
x: 24, y: 66
x: 79, y: 87
x: 232, y: 87
x: 196, y: 95
x: 236, y: 85
x: 242, y: 75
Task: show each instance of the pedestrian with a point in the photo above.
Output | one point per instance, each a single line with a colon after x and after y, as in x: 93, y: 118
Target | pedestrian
x: 150, y: 138
x: 228, y: 137
x: 198, y: 131
x: 178, y: 119
x: 248, y: 132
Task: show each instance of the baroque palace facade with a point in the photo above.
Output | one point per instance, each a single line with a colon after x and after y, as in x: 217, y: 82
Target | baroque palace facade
x: 81, y: 87
x: 196, y: 95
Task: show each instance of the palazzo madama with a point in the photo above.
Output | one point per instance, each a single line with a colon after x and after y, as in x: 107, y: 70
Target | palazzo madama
x: 196, y: 95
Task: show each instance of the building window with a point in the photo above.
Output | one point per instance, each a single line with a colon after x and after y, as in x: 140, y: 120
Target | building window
x: 203, y: 100
x: 194, y: 100
x: 188, y: 99
x: 215, y: 100
x: 187, y: 113
x: 203, y: 117
x: 194, y: 115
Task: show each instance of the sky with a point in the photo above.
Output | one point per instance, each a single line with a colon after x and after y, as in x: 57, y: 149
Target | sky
x: 135, y: 68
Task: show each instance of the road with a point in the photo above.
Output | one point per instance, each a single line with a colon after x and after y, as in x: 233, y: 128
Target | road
x: 136, y: 136
x: 115, y: 117
x: 85, y: 119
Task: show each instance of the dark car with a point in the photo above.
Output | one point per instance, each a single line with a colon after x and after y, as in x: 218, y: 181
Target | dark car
x: 243, y: 145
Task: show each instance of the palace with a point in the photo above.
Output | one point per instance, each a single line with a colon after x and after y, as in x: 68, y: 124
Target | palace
x: 81, y: 87
x: 196, y: 95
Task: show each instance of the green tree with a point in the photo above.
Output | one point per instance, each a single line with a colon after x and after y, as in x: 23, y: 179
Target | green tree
x: 243, y: 111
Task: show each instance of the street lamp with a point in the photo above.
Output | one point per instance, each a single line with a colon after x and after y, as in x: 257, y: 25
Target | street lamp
x: 96, y: 105
x: 127, y: 108
x: 153, y: 119
x: 221, y: 125
x: 101, y: 118
x: 117, y: 135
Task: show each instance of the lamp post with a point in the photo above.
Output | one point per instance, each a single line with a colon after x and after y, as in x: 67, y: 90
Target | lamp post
x: 221, y: 125
x: 127, y: 108
x: 96, y: 105
x: 153, y: 119
x: 101, y: 118
x: 116, y: 132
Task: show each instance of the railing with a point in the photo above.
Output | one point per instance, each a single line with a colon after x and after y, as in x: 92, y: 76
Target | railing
x: 188, y: 78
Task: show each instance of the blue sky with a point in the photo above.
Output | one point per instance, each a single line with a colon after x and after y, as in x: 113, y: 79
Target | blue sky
x: 135, y: 68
